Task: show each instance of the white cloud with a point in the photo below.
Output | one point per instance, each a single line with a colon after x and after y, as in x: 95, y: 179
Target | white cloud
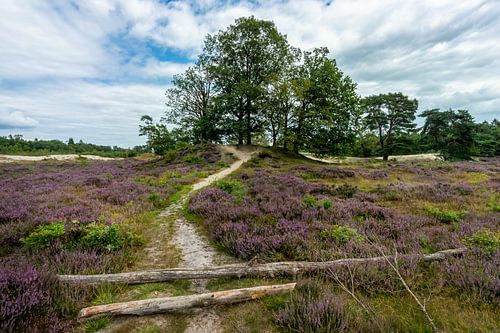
x: 100, y: 113
x: 445, y: 53
x: 11, y: 119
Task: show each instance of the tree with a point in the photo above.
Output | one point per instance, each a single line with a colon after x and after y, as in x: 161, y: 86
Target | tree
x: 326, y: 109
x: 243, y: 59
x: 388, y: 115
x: 451, y: 132
x: 190, y: 103
x: 279, y: 106
x: 70, y: 141
x: 159, y: 139
x: 487, y: 138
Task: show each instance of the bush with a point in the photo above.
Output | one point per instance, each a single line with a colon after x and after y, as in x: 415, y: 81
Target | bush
x: 445, y: 216
x: 25, y: 301
x: 327, y: 204
x: 92, y: 235
x: 232, y: 186
x: 346, y: 191
x: 313, y: 309
x: 193, y: 159
x: 310, y: 201
x: 340, y: 234
x: 484, y: 239
x: 44, y: 235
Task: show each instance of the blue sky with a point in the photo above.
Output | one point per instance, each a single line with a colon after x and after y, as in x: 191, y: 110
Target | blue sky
x: 89, y: 69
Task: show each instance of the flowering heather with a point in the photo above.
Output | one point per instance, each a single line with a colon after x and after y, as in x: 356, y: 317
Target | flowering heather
x: 25, y: 301
x: 87, y: 204
x: 293, y: 213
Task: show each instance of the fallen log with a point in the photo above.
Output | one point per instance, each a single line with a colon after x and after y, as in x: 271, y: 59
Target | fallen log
x: 240, y: 270
x: 182, y: 303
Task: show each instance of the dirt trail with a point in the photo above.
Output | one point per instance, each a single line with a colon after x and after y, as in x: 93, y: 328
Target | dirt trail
x: 194, y: 251
x: 197, y: 252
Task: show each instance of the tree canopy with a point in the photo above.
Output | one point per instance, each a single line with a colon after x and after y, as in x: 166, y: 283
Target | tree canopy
x: 250, y: 85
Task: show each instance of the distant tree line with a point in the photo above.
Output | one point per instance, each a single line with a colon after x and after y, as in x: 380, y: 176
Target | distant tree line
x: 249, y: 85
x: 16, y: 144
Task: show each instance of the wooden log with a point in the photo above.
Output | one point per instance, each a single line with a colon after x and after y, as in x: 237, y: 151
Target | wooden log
x: 239, y: 270
x: 182, y: 303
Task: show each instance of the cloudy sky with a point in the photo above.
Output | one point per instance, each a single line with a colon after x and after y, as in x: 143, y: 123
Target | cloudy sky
x: 88, y: 69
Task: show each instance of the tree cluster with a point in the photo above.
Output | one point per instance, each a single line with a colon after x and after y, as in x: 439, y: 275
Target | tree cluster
x: 249, y: 85
x: 16, y: 144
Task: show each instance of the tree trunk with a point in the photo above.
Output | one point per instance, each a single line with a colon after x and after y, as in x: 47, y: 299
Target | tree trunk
x: 249, y: 122
x: 239, y: 270
x: 180, y: 303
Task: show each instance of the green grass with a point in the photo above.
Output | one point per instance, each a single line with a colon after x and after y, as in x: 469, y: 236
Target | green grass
x: 95, y: 325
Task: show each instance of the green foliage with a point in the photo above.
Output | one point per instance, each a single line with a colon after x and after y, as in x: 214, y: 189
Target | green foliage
x: 191, y: 104
x: 232, y: 186
x: 108, y: 237
x: 310, y: 201
x: 340, y: 234
x: 327, y: 204
x: 95, y: 325
x: 93, y: 235
x: 327, y: 106
x: 426, y: 245
x: 389, y: 115
x: 346, y: 191
x: 445, y: 216
x: 484, y: 239
x: 17, y: 145
x: 44, y: 235
x: 451, y: 132
x: 495, y: 203
x: 193, y: 159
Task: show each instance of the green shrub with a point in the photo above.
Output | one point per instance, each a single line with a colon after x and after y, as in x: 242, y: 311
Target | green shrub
x: 232, y: 186
x: 108, y: 237
x: 340, y: 234
x: 484, y: 239
x: 44, y: 235
x: 193, y: 159
x: 346, y: 191
x: 156, y: 200
x: 495, y: 203
x: 307, y: 175
x: 93, y: 235
x: 445, y: 216
x: 310, y: 201
x: 327, y: 204
x: 426, y: 245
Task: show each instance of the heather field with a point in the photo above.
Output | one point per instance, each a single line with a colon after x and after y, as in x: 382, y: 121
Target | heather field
x: 284, y: 207
x: 90, y: 217
x: 80, y: 217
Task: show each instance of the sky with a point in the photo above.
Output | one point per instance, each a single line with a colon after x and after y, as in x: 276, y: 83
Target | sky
x: 89, y: 69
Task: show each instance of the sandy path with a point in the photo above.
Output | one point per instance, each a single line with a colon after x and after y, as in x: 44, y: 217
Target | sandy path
x: 194, y: 250
x: 398, y: 158
x: 197, y: 252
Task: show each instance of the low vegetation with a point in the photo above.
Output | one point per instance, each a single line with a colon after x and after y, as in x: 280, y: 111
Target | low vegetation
x: 77, y: 218
x: 272, y: 210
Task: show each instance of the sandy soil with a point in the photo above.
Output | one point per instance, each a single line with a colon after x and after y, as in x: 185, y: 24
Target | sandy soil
x: 197, y: 252
x: 21, y: 158
x: 399, y: 158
